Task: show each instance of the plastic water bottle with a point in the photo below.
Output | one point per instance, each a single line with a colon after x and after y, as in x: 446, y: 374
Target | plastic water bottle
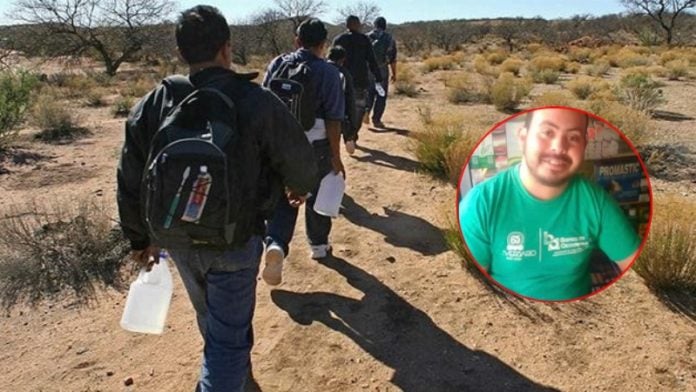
x: 148, y: 299
x: 330, y: 195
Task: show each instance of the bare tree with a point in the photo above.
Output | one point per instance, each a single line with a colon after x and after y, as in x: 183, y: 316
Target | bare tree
x: 113, y: 29
x: 664, y: 12
x: 298, y: 10
x: 367, y: 11
x: 273, y: 34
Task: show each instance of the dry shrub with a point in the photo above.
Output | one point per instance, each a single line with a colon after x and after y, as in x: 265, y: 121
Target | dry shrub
x: 668, y: 260
x: 72, y: 85
x: 94, y: 98
x: 139, y: 87
x: 626, y: 58
x: 581, y: 55
x: 507, y: 91
x: 46, y: 249
x: 461, y: 89
x: 496, y: 58
x: 512, y: 65
x: 459, y: 57
x: 584, y: 86
x: 122, y: 106
x: 405, y: 84
x: 634, y: 124
x: 551, y: 98
x: 573, y: 67
x: 670, y: 55
x: 482, y: 67
x: 677, y: 69
x: 548, y: 61
x: 546, y: 76
x: 54, y: 119
x: 639, y: 92
x: 445, y: 141
x: 599, y: 68
x: 439, y: 63
x: 534, y: 47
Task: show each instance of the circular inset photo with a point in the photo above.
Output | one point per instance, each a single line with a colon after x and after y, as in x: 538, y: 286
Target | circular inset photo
x: 554, y: 204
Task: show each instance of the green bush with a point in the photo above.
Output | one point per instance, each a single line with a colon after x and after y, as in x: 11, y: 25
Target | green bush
x: 15, y: 97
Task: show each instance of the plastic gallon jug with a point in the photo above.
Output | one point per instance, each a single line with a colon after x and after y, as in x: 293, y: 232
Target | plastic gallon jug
x: 330, y: 195
x: 148, y: 299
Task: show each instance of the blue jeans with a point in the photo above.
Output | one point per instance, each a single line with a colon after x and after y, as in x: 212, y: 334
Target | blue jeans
x: 222, y: 289
x: 373, y: 99
x: 281, y: 227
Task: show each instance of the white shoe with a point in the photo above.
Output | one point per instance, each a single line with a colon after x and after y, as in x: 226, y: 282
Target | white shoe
x: 350, y: 147
x: 320, y: 251
x: 273, y: 271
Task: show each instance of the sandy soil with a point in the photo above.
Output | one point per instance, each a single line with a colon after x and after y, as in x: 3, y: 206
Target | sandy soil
x: 392, y: 310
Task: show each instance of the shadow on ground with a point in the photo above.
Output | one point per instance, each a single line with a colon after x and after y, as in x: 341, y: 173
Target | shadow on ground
x: 399, y: 229
x: 423, y: 356
x: 384, y: 159
x: 398, y: 131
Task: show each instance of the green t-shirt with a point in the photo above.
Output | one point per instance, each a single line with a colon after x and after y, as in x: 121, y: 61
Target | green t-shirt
x: 541, y: 248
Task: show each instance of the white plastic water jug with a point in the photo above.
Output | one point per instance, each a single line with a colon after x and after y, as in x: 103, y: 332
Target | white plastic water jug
x: 330, y: 195
x: 148, y: 299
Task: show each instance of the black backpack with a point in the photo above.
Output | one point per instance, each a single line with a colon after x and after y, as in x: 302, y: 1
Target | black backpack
x: 191, y: 180
x: 292, y: 83
x: 380, y: 46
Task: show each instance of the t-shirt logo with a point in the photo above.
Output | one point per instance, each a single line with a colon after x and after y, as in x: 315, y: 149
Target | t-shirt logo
x: 563, y: 246
x: 551, y: 242
x: 515, y: 241
x: 515, y: 247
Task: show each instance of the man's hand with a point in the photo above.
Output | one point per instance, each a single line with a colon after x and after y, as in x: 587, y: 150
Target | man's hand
x: 392, y: 78
x: 294, y: 199
x: 337, y: 165
x: 146, y: 257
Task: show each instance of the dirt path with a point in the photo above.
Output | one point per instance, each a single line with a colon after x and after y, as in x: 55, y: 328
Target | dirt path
x: 392, y: 310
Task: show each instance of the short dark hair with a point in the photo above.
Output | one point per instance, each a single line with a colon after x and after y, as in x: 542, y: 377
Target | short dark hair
x: 530, y: 115
x: 200, y: 33
x: 337, y: 53
x: 352, y: 19
x: 380, y: 23
x: 311, y: 32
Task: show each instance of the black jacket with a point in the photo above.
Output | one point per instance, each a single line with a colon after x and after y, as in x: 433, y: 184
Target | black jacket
x: 359, y: 55
x: 275, y: 150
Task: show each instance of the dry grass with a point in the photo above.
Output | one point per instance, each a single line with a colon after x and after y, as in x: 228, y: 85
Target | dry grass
x: 56, y: 121
x: 507, y: 91
x: 548, y: 61
x: 513, y: 65
x: 496, y: 58
x: 461, y: 89
x: 677, y: 69
x: 443, y: 63
x: 581, y: 55
x: 444, y: 142
x: 47, y: 249
x: 122, y: 106
x: 629, y: 57
x: 546, y: 76
x: 554, y: 97
x: 599, y: 68
x: 668, y: 261
x: 634, y: 124
x: 405, y: 81
x: 640, y: 92
x: 584, y: 86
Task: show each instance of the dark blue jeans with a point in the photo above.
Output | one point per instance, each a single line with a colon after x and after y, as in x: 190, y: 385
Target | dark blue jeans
x: 375, y: 103
x: 222, y: 289
x: 281, y: 227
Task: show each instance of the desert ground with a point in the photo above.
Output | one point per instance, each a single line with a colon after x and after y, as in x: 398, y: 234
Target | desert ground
x: 392, y: 310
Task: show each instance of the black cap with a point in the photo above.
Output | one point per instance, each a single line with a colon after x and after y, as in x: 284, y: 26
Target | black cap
x: 311, y: 32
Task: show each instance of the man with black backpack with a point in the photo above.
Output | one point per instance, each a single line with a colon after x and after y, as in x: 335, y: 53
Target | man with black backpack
x: 312, y: 89
x: 205, y: 159
x: 384, y: 46
x: 360, y: 60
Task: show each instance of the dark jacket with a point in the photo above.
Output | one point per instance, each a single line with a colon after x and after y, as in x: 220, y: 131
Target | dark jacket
x: 351, y: 123
x: 275, y: 152
x: 359, y: 55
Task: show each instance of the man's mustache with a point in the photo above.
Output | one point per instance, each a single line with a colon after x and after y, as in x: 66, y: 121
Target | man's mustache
x: 560, y: 157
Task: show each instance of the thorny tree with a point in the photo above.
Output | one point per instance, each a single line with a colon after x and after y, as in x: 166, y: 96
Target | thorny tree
x: 664, y: 12
x: 111, y: 29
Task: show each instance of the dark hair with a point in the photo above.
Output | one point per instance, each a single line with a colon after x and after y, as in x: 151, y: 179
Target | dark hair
x: 337, y: 53
x: 380, y: 23
x: 530, y: 115
x: 311, y: 32
x: 200, y: 33
x: 352, y: 19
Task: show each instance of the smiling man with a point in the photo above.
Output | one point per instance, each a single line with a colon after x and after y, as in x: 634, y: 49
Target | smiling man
x: 533, y: 226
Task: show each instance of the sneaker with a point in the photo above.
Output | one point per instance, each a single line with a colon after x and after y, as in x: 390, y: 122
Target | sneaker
x: 350, y: 147
x: 320, y: 251
x: 273, y: 271
x: 366, y: 118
